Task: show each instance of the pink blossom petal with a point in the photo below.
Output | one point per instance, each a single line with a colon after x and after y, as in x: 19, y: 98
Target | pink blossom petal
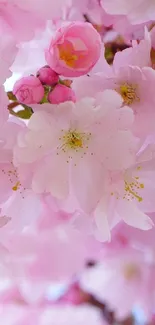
x: 133, y: 216
x: 132, y: 56
x: 103, y: 230
x: 21, y: 209
x: 110, y: 99
x: 53, y: 177
x: 87, y: 183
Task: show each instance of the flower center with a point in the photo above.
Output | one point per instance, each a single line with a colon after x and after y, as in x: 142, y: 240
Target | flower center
x: 130, y: 189
x: 131, y: 271
x: 67, y: 54
x: 74, y: 140
x: 128, y: 93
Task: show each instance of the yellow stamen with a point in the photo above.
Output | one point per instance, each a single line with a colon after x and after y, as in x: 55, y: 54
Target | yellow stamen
x: 66, y: 55
x: 130, y: 189
x: 128, y: 93
x: 16, y: 186
x: 73, y: 141
x: 131, y: 271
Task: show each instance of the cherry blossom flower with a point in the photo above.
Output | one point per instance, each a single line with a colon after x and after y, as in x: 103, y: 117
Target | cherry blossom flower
x: 74, y: 50
x: 126, y: 270
x: 73, y: 142
x: 130, y: 77
x: 128, y: 196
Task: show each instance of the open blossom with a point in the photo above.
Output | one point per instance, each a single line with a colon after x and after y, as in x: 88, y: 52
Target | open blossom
x: 16, y: 195
x: 126, y: 271
x: 138, y: 56
x: 28, y: 90
x: 77, y: 140
x: 8, y: 136
x: 137, y: 11
x: 130, y: 77
x: 74, y: 50
x: 128, y: 196
x: 132, y: 84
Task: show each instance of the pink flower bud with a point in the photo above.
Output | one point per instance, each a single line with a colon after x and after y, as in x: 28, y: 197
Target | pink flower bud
x: 28, y: 90
x: 61, y: 94
x: 75, y: 49
x: 47, y: 76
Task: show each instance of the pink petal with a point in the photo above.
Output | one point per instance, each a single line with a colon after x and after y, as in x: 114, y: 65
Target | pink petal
x: 21, y: 210
x: 87, y: 183
x: 103, y: 230
x: 53, y: 176
x: 133, y: 216
x: 109, y: 99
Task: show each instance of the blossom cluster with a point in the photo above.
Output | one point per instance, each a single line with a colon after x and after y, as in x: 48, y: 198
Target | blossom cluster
x: 77, y: 158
